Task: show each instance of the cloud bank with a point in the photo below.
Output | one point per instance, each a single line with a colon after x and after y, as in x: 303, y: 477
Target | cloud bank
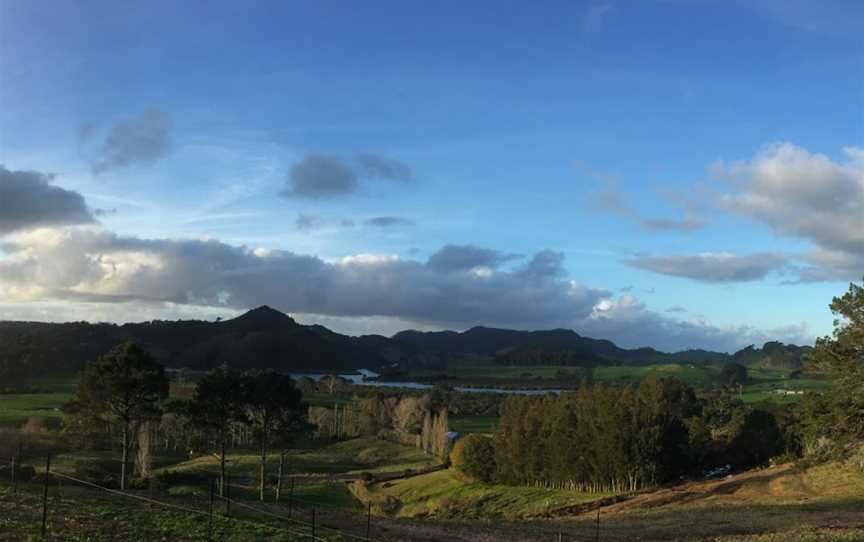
x: 457, y: 287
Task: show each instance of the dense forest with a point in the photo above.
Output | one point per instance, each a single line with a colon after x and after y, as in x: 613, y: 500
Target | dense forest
x: 267, y: 338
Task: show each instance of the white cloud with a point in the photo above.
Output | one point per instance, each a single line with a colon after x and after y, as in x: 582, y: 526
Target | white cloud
x: 808, y: 196
x: 91, y: 264
x: 79, y: 273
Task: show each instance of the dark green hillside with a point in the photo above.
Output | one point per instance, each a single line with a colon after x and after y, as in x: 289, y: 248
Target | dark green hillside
x: 262, y: 338
x: 267, y: 338
x: 773, y: 355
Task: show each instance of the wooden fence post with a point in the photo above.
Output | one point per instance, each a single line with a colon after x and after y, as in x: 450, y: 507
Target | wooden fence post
x: 279, y: 480
x: 210, y: 515
x: 45, y: 496
x: 368, y: 520
x: 313, y: 522
x: 227, y: 496
x: 12, y: 475
x: 597, y: 530
x: 291, y: 498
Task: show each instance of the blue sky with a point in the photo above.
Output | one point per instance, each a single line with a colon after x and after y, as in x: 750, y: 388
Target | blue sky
x: 694, y: 167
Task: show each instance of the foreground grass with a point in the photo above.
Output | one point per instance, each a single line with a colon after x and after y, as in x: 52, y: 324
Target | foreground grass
x: 77, y: 514
x: 445, y: 494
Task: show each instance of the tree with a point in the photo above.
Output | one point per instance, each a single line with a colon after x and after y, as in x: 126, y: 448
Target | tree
x: 126, y: 385
x: 733, y: 373
x: 273, y: 407
x: 218, y: 403
x: 755, y: 438
x: 841, y: 357
x: 474, y: 455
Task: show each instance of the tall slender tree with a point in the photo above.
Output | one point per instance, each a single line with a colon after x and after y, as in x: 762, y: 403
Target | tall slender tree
x: 217, y: 404
x: 126, y: 386
x: 274, y: 408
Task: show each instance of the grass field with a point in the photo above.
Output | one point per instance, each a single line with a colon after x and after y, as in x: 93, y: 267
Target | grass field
x: 81, y: 515
x: 474, y: 424
x: 763, y: 384
x: 446, y: 494
x: 349, y: 457
x: 16, y: 408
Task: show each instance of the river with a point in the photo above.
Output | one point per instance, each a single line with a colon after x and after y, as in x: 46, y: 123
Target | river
x: 365, y: 377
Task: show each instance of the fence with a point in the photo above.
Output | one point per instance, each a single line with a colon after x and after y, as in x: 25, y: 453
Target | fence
x: 314, y: 530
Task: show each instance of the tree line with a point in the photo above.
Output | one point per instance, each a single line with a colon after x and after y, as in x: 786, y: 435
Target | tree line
x: 124, y: 394
x: 623, y: 438
x: 619, y: 438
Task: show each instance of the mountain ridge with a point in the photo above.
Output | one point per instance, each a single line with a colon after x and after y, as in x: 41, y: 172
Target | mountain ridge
x: 267, y: 338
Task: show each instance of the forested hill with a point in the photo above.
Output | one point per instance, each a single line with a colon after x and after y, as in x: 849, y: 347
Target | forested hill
x: 566, y: 347
x: 514, y: 347
x: 263, y: 338
x: 267, y: 338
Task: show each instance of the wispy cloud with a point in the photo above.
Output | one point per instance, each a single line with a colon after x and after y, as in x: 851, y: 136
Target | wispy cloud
x: 712, y: 267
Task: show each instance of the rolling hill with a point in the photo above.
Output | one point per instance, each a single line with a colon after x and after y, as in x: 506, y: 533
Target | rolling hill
x: 267, y: 338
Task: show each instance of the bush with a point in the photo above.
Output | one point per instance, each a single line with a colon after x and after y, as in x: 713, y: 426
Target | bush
x: 474, y: 456
x: 371, y: 456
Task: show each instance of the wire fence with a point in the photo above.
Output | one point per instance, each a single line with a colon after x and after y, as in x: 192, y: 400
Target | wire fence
x: 314, y: 530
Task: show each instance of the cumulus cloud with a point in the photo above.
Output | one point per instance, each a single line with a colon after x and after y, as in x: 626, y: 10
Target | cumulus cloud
x: 101, y: 266
x: 388, y: 221
x: 629, y: 323
x: 325, y: 176
x: 712, y: 267
x: 467, y: 257
x: 808, y: 196
x: 802, y: 194
x: 100, y: 275
x: 28, y: 200
x: 138, y: 140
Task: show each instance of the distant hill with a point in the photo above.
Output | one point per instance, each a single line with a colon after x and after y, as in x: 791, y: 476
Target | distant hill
x: 267, y: 338
x: 263, y: 338
x: 773, y: 355
x: 565, y: 346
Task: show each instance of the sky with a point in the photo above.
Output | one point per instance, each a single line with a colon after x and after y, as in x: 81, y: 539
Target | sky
x: 676, y: 174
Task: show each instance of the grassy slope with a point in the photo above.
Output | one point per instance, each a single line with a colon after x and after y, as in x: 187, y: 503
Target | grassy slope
x: 775, y: 504
x: 446, y: 494
x: 348, y: 457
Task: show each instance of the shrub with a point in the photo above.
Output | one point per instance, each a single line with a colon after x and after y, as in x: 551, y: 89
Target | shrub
x: 474, y: 456
x: 370, y: 456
